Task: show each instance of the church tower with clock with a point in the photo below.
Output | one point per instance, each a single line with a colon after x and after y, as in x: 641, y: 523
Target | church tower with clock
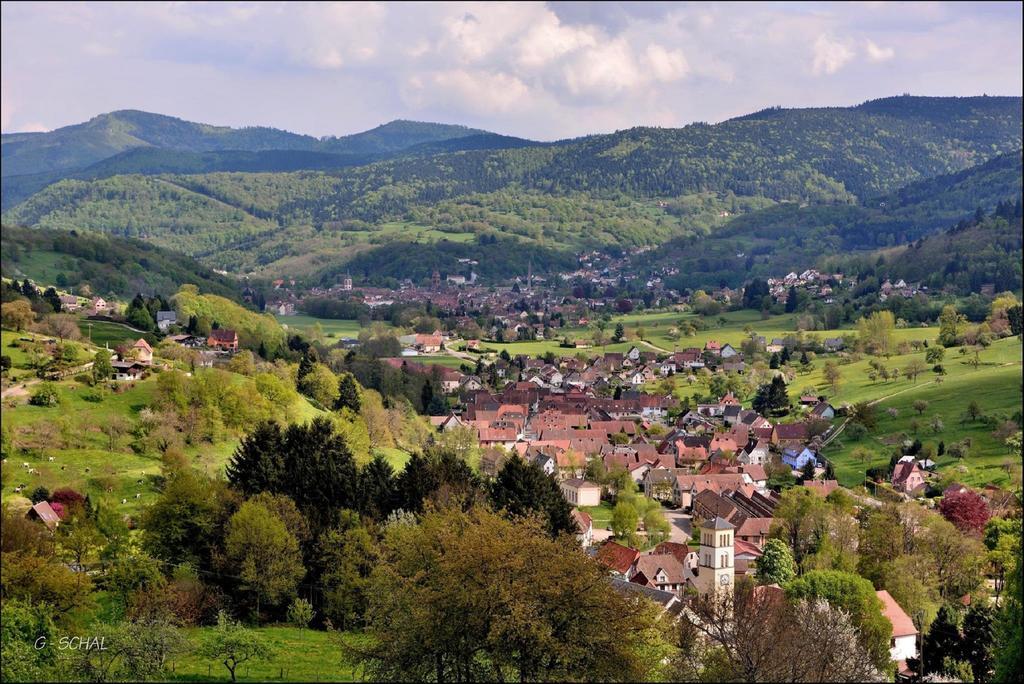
x: 716, y: 569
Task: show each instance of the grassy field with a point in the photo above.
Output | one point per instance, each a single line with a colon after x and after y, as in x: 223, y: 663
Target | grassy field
x: 71, y: 435
x: 602, y: 515
x: 396, y: 457
x: 332, y: 327
x: 731, y: 327
x: 450, y: 361
x: 299, y: 655
x: 541, y: 347
x: 107, y: 333
x: 995, y: 385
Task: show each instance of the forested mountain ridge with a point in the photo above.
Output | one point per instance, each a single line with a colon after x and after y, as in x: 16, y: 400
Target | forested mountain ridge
x: 657, y: 185
x: 150, y: 152
x: 968, y: 256
x: 789, y: 236
x: 103, y: 136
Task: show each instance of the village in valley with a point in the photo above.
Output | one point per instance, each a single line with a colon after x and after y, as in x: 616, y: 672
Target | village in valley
x: 673, y: 492
x: 512, y: 342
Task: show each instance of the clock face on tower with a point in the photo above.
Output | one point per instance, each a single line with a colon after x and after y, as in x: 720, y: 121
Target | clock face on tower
x: 724, y: 580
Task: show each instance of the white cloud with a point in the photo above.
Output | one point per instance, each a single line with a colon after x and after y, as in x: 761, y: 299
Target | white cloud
x: 521, y: 68
x: 878, y: 54
x: 480, y: 91
x: 830, y: 55
x: 549, y: 40
x: 603, y: 71
x: 666, y: 65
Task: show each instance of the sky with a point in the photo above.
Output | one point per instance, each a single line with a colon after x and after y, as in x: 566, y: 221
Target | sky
x: 539, y: 70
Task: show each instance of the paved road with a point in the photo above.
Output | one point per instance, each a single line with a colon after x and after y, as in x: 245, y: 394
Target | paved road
x: 681, y: 528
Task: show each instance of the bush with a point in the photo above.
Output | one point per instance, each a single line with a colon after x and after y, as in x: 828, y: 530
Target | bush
x: 300, y: 613
x: 46, y: 394
x: 96, y: 394
x: 39, y: 494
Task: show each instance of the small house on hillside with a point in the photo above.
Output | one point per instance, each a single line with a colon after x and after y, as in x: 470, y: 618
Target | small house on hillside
x: 165, y: 319
x: 798, y: 458
x: 223, y: 338
x: 907, y: 477
x: 143, y: 352
x: 903, y: 644
x: 127, y: 370
x: 44, y: 512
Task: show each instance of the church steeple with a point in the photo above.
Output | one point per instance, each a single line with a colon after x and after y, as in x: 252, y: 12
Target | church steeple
x: 716, y: 569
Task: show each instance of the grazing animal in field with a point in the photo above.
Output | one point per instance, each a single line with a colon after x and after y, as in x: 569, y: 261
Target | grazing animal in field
x: 51, y: 459
x: 138, y: 496
x: 124, y: 501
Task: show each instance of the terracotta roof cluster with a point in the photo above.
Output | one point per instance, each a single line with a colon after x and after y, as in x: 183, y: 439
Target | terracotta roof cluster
x: 617, y: 557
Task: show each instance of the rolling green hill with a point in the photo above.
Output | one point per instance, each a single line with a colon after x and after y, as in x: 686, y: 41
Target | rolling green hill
x: 109, y: 265
x: 965, y: 257
x: 790, y: 236
x: 656, y: 186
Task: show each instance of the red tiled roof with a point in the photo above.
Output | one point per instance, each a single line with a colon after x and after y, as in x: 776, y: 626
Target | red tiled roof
x: 823, y: 487
x: 617, y: 557
x: 902, y: 625
x: 223, y: 335
x: 46, y: 513
x: 680, y: 551
x: 791, y: 431
x: 650, y: 564
x: 583, y: 520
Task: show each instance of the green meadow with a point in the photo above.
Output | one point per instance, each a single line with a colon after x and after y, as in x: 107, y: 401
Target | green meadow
x: 995, y: 384
x: 83, y: 456
x: 331, y: 327
x: 108, y: 333
x: 297, y: 655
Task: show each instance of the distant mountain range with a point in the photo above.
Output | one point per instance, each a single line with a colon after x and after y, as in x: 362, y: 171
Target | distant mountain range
x: 130, y: 141
x: 270, y: 202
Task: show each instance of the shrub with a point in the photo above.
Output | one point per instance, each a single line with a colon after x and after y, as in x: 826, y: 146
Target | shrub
x: 96, y: 394
x: 39, y: 494
x: 300, y: 613
x: 46, y: 394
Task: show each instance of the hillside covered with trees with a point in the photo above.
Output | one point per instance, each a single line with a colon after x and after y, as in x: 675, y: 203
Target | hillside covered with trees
x: 107, y: 264
x: 772, y: 190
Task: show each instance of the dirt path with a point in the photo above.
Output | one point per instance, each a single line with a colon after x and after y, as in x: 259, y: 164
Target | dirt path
x: 655, y: 347
x: 846, y: 422
x: 19, y: 390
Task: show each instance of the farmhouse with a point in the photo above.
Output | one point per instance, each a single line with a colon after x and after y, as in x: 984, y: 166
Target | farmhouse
x: 223, y: 338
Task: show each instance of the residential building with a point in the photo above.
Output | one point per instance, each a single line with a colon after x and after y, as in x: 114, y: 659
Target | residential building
x: 579, y: 492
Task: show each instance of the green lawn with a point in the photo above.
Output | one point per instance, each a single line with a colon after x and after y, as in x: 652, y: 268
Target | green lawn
x: 450, y: 361
x: 541, y: 347
x: 336, y: 327
x: 997, y: 389
x: 107, y: 333
x: 396, y: 457
x: 299, y: 655
x: 602, y: 515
